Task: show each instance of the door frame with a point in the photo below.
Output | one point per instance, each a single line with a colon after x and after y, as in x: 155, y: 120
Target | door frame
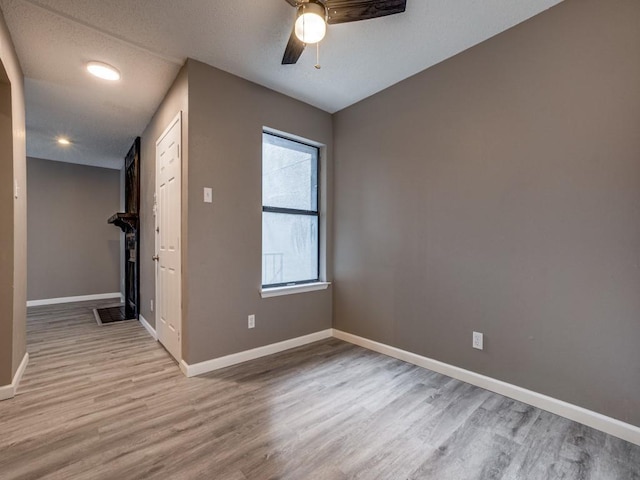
x: 176, y: 120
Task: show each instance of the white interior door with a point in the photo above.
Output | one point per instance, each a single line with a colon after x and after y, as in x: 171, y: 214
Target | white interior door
x: 168, y: 270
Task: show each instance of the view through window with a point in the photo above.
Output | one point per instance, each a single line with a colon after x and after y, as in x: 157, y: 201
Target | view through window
x: 290, y: 217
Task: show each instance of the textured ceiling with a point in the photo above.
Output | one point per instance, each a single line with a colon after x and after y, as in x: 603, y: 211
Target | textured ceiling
x: 148, y: 40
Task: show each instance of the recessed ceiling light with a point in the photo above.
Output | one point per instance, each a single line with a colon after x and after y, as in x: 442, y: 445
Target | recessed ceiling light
x: 104, y: 71
x: 64, y: 141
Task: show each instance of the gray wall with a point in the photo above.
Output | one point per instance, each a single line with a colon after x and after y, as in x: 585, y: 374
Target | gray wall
x: 222, y: 123
x: 223, y: 262
x: 72, y: 249
x: 499, y: 191
x: 175, y: 101
x: 13, y: 213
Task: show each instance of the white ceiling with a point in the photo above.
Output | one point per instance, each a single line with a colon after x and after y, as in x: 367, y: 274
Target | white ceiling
x: 149, y: 40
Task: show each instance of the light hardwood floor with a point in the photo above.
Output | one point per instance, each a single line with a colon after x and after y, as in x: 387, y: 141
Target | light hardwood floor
x: 108, y: 403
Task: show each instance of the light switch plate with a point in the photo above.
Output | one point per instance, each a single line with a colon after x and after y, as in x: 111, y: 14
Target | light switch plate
x: 208, y: 195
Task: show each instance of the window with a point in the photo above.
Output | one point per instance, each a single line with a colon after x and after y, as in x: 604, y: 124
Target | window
x: 290, y: 217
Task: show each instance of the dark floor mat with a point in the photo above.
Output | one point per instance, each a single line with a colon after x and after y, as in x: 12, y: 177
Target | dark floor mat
x: 111, y: 314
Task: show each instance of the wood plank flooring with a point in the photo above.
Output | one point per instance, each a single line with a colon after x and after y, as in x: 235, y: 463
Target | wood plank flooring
x: 107, y: 402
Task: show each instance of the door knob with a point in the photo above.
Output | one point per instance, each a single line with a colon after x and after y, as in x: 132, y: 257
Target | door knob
x: 155, y: 258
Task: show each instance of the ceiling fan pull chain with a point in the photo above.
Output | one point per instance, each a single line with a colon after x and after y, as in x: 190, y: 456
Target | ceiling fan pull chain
x: 317, y: 65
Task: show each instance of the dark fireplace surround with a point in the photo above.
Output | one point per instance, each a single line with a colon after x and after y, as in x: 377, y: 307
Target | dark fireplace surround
x: 128, y: 221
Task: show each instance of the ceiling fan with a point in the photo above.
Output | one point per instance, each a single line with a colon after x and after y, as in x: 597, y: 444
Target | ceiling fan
x: 313, y: 16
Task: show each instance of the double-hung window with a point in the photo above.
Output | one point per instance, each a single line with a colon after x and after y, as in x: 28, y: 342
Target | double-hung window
x: 290, y: 216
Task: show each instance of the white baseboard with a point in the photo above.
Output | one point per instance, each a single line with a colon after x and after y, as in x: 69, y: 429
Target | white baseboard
x: 148, y: 326
x: 81, y: 298
x: 609, y: 425
x: 9, y: 391
x: 617, y: 428
x: 235, y: 358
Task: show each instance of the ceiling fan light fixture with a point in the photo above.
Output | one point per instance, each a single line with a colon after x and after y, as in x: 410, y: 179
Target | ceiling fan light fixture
x: 103, y: 70
x: 311, y: 24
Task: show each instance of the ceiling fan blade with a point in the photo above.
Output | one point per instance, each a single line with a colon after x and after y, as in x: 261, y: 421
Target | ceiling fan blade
x: 293, y: 51
x: 293, y: 3
x: 343, y: 11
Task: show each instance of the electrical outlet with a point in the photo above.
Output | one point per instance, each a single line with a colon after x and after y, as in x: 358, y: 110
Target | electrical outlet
x: 151, y: 305
x: 478, y: 341
x: 252, y: 321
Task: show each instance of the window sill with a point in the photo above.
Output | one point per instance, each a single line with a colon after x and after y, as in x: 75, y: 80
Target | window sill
x: 290, y: 290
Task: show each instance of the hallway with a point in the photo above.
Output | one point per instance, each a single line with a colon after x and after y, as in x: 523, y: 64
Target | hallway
x: 82, y: 385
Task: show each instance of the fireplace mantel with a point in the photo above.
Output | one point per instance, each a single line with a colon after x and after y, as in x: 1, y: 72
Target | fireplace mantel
x: 128, y: 222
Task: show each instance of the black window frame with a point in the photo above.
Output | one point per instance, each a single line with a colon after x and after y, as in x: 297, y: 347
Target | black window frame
x: 295, y: 211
